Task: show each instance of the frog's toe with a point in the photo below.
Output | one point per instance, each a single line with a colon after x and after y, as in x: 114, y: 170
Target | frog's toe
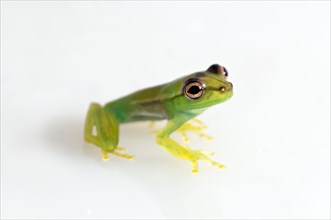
x: 199, y: 122
x: 120, y: 148
x: 184, y: 137
x: 206, y: 137
x: 203, y: 155
x: 195, y: 166
x: 207, y: 153
x: 126, y: 156
x: 105, y: 156
x: 195, y: 171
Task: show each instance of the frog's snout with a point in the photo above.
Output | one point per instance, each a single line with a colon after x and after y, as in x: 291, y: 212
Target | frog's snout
x: 226, y: 88
x: 230, y: 85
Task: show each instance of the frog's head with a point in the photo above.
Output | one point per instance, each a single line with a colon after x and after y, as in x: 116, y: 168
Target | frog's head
x: 204, y: 89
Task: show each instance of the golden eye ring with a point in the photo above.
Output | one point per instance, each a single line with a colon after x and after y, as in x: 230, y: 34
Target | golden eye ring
x: 194, y: 89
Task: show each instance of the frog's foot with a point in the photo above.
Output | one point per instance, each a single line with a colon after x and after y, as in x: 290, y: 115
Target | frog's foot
x: 105, y: 156
x: 126, y: 156
x: 183, y: 152
x: 203, y: 155
x: 199, y: 122
x: 120, y: 148
x: 195, y: 126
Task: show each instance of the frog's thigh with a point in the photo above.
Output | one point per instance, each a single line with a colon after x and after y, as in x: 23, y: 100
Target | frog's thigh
x: 106, y: 128
x: 90, y: 124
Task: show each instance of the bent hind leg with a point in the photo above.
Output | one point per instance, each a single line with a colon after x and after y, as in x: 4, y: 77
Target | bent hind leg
x: 102, y: 130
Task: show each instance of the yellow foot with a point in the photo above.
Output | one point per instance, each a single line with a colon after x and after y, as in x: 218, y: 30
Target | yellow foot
x: 203, y: 155
x: 126, y: 156
x: 105, y: 156
x: 195, y: 126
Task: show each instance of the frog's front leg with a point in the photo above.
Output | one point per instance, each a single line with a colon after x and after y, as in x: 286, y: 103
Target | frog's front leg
x: 181, y: 151
x: 195, y: 126
x: 106, y: 131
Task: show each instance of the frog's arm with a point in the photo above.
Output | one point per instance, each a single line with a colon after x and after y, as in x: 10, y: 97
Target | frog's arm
x: 181, y: 151
x: 195, y: 126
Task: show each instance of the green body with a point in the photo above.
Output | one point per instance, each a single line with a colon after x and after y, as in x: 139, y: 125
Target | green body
x: 172, y: 101
x: 142, y: 105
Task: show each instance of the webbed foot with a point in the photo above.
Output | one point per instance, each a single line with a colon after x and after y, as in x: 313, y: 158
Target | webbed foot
x: 183, y: 152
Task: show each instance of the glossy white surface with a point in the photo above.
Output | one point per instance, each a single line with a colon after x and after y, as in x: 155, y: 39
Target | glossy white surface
x: 273, y: 135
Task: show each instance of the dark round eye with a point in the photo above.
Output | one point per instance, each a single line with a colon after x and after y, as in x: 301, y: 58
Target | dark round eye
x: 218, y: 69
x: 194, y: 89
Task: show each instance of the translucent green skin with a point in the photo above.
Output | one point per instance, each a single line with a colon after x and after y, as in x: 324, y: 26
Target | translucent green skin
x: 166, y: 101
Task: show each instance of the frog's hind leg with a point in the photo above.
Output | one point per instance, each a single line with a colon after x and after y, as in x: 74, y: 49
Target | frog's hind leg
x: 90, y: 125
x: 102, y: 129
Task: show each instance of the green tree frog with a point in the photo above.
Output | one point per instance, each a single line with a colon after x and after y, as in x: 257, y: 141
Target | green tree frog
x: 178, y: 102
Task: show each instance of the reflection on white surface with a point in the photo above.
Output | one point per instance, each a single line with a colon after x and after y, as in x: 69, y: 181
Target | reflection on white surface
x: 273, y: 135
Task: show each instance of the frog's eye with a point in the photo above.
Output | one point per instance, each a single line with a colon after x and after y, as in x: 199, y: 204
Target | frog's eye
x: 218, y: 69
x: 194, y: 89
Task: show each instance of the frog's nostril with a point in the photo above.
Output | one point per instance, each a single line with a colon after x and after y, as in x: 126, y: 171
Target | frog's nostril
x: 227, y: 87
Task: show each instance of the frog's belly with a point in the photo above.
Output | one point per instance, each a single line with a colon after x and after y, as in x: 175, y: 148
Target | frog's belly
x: 149, y: 110
x: 129, y: 110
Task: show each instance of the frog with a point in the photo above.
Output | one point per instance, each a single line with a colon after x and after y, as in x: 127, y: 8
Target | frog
x: 178, y: 102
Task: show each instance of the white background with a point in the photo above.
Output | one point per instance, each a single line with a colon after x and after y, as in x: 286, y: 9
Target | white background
x: 273, y: 135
